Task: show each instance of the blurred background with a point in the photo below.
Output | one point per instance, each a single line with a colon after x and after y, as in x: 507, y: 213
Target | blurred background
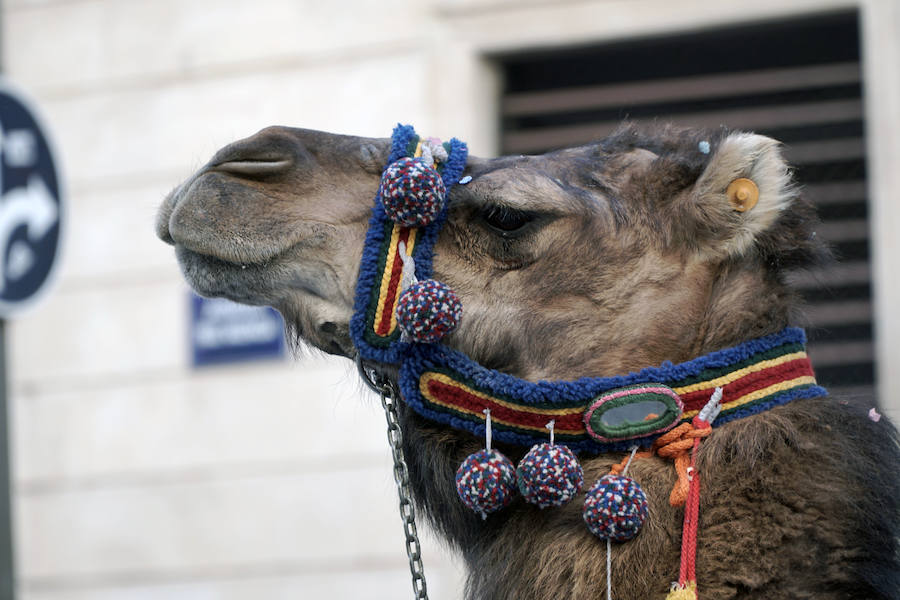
x: 161, y: 446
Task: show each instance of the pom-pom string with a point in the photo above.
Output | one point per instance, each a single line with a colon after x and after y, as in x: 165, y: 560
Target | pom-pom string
x: 407, y: 279
x: 408, y: 276
x: 608, y: 569
x: 487, y: 429
x: 634, y: 450
x: 550, y: 427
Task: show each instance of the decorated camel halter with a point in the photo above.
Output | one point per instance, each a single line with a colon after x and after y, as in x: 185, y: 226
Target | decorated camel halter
x: 401, y: 315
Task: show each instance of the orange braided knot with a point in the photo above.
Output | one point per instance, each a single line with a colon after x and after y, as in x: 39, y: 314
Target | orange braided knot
x: 676, y: 444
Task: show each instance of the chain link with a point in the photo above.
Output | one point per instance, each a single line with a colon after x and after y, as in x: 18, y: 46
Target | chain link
x: 401, y: 477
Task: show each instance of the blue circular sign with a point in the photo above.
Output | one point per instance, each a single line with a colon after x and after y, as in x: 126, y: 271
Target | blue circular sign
x: 30, y: 204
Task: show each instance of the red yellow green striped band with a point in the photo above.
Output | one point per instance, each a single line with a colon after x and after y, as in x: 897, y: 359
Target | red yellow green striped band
x: 447, y: 386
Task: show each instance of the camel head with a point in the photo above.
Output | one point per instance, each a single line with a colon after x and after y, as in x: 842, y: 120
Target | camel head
x: 588, y: 262
x: 594, y: 260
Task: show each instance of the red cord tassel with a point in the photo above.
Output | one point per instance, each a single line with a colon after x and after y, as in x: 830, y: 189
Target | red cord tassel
x: 686, y: 589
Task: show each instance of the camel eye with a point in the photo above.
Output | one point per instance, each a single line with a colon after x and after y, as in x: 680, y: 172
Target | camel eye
x: 506, y: 220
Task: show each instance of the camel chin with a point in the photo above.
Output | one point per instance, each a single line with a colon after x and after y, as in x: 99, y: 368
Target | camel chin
x: 311, y: 318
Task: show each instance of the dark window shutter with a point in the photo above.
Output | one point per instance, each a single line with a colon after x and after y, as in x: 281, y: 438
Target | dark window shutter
x: 798, y: 81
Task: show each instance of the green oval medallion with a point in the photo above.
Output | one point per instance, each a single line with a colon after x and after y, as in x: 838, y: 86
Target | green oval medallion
x: 632, y: 412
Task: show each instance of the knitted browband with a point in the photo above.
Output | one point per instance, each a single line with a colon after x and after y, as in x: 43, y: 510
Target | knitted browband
x: 448, y: 387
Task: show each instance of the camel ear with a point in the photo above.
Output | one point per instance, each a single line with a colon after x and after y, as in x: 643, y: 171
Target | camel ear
x: 744, y: 167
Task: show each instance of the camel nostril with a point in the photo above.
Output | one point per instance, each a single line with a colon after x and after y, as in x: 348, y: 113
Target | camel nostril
x: 271, y: 152
x: 253, y: 167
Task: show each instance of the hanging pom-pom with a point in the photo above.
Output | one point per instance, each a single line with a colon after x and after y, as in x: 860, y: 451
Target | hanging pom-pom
x: 412, y: 192
x: 549, y: 475
x: 615, y: 508
x: 486, y: 480
x: 428, y: 310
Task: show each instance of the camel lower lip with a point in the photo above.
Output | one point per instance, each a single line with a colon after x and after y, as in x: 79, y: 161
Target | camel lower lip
x: 213, y: 277
x: 215, y: 261
x: 248, y: 283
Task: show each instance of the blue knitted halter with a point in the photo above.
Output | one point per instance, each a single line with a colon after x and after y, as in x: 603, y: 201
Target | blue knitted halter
x: 446, y: 386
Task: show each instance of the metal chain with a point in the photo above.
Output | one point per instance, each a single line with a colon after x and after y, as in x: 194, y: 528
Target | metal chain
x: 401, y: 476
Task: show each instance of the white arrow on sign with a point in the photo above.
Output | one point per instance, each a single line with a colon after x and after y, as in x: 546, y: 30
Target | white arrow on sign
x: 32, y: 205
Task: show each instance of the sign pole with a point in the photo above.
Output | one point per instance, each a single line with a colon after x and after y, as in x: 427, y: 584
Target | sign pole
x: 7, y: 566
x: 7, y: 569
x: 31, y: 215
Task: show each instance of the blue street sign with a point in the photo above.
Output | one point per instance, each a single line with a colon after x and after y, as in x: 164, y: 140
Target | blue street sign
x: 225, y: 332
x: 31, y: 204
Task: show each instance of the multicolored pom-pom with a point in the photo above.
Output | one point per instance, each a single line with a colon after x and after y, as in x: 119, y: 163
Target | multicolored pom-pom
x: 486, y: 481
x: 428, y: 310
x: 412, y: 192
x: 615, y: 508
x: 549, y: 475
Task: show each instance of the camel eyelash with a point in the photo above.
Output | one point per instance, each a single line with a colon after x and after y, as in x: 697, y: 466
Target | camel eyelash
x: 506, y: 221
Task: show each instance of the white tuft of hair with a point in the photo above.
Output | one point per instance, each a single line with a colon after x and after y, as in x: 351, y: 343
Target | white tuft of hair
x: 755, y: 157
